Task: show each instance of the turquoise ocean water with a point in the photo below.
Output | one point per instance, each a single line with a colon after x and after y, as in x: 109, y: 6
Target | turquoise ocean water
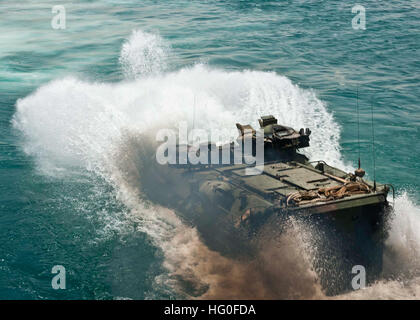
x: 72, y: 100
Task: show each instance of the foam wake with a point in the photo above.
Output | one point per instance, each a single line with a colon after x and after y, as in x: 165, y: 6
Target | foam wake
x: 71, y: 125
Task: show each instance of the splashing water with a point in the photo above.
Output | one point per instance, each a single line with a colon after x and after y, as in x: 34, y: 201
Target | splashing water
x: 70, y: 124
x: 401, y: 271
x: 143, y: 54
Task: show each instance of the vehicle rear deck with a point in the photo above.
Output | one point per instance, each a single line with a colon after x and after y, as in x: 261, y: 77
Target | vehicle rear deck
x: 280, y: 180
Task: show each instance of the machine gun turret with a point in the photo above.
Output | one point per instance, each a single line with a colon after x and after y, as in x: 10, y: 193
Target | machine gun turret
x: 277, y: 136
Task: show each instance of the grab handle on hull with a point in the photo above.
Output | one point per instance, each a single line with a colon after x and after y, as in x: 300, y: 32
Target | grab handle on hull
x: 393, y: 193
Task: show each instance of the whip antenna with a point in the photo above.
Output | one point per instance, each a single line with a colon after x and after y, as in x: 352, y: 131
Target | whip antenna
x: 359, y: 172
x: 358, y: 123
x: 373, y: 148
x: 194, y: 113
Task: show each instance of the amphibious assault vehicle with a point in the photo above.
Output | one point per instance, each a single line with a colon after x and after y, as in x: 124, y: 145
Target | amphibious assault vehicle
x: 232, y: 210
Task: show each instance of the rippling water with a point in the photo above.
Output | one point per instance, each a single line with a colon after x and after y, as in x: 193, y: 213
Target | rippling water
x: 74, y: 100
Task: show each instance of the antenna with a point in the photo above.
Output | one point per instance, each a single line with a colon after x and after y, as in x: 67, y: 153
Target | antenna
x: 194, y: 113
x: 373, y: 148
x: 359, y: 172
x: 358, y: 122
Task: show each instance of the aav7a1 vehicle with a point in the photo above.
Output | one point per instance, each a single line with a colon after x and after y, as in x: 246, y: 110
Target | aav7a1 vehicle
x: 233, y: 210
